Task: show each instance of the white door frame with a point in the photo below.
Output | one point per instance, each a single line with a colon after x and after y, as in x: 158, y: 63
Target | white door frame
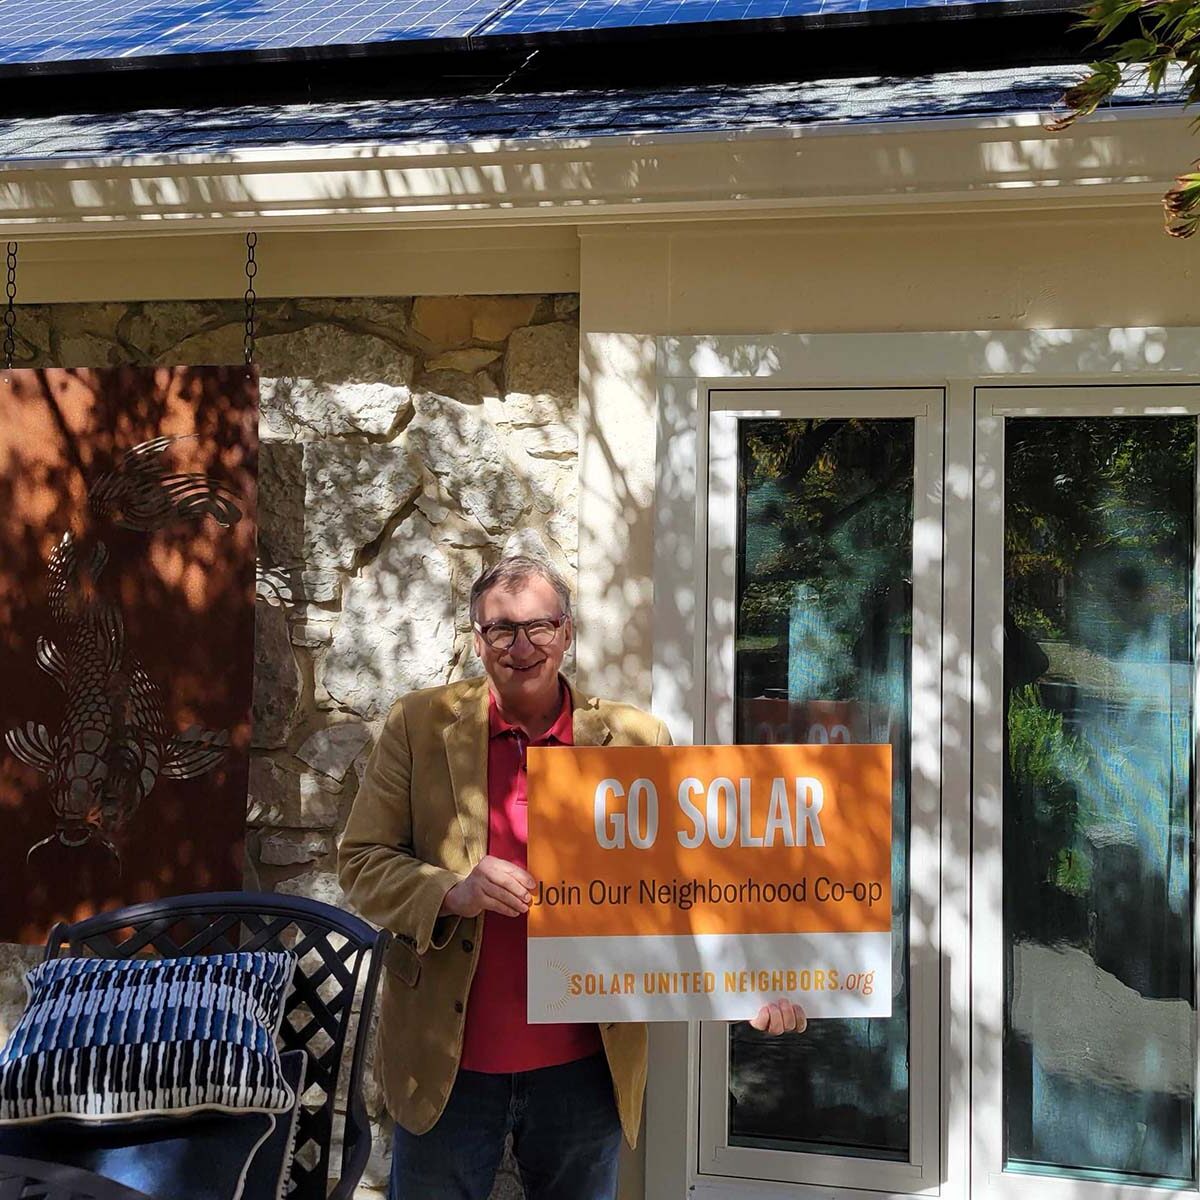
x: 688, y: 370
x: 925, y: 407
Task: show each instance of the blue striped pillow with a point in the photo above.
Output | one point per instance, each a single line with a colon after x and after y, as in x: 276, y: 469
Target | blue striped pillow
x: 108, y: 1039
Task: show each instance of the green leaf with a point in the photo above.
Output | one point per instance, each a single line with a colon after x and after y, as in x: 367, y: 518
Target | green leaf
x: 1102, y: 17
x: 1089, y: 93
x: 1136, y: 50
x: 1181, y: 205
x: 1156, y: 72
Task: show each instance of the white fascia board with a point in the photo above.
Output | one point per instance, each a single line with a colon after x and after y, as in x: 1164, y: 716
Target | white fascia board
x: 1124, y: 156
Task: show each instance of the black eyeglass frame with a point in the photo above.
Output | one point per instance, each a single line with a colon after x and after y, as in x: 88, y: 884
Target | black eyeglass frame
x: 518, y: 627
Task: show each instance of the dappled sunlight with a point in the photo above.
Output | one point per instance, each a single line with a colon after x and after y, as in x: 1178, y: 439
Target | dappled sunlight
x: 615, y: 510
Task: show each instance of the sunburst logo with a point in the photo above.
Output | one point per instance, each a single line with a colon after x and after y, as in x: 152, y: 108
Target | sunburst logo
x: 559, y: 1001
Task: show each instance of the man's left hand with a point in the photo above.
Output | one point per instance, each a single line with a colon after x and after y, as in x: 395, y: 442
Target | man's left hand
x: 780, y: 1016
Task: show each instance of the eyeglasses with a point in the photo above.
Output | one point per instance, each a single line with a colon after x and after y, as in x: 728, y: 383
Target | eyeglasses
x: 502, y: 635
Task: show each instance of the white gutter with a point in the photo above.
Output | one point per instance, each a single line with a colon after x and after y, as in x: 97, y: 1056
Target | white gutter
x: 1125, y: 156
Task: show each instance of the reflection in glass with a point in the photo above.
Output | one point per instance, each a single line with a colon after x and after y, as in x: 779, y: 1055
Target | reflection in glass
x: 1099, y: 1039
x: 823, y: 649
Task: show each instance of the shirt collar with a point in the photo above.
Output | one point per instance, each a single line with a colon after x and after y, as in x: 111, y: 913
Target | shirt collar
x: 560, y: 731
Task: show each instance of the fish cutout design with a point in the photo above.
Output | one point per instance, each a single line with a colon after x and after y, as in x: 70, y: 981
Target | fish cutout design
x: 141, y: 494
x: 112, y: 744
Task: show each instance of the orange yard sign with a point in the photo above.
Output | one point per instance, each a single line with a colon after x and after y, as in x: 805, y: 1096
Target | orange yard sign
x: 673, y: 881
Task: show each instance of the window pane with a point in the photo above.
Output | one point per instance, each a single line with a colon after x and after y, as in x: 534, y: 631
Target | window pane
x: 1099, y: 1042
x: 823, y: 650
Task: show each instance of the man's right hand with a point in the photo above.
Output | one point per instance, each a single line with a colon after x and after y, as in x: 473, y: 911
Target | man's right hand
x: 495, y: 885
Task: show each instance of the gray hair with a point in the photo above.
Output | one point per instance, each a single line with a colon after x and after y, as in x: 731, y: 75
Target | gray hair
x: 509, y: 573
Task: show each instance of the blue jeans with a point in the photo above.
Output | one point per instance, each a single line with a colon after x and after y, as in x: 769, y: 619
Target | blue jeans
x: 565, y: 1129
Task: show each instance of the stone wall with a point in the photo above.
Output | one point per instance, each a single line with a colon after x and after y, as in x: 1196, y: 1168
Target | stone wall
x: 405, y: 444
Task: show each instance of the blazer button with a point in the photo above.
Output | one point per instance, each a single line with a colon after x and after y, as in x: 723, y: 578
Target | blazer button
x: 468, y: 945
x: 458, y: 1006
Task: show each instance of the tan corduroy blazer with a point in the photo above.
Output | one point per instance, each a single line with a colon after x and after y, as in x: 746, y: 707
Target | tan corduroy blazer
x: 419, y: 824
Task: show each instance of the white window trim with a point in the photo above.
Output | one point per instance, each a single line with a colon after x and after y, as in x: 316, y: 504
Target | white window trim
x: 688, y: 370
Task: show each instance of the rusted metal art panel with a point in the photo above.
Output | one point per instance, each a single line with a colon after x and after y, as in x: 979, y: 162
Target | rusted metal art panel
x: 127, y: 551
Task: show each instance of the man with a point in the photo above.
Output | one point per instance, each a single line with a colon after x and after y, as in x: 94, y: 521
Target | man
x: 435, y: 851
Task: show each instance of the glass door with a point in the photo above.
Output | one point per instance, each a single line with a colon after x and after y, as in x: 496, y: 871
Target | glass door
x: 1085, y: 735
x: 824, y: 626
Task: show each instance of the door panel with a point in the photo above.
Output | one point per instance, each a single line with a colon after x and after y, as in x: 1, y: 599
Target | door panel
x: 1085, y: 754
x: 821, y: 518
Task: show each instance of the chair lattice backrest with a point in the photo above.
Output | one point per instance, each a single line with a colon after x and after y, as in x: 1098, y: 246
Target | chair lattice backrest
x: 338, y: 959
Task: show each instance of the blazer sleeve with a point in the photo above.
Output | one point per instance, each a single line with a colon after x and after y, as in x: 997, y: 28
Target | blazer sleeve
x: 379, y: 872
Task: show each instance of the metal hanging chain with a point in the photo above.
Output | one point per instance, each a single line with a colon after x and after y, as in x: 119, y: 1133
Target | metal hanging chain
x: 251, y: 296
x: 10, y: 313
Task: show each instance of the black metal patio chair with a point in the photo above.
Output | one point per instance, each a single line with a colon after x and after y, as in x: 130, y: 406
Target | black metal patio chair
x: 332, y: 949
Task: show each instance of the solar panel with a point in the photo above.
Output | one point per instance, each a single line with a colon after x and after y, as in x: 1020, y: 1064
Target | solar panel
x: 55, y: 36
x: 532, y: 17
x: 63, y: 31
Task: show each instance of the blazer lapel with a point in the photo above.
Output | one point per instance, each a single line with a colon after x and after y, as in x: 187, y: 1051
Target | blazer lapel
x: 590, y: 728
x: 467, y: 753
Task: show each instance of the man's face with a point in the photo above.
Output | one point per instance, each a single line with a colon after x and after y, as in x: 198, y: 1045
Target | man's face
x: 523, y: 673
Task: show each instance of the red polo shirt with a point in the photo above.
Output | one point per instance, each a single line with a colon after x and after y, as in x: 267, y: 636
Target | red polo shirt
x: 498, y: 1039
